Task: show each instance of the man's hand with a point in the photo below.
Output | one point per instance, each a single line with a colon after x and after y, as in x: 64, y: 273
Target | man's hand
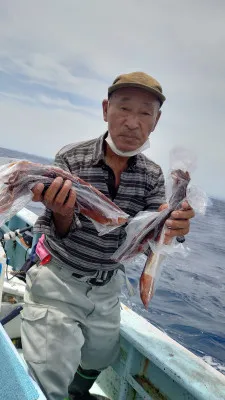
x: 61, y: 199
x: 55, y: 197
x: 179, y: 222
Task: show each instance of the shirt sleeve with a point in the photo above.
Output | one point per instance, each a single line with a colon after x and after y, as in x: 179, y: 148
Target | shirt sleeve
x: 45, y: 223
x: 61, y: 162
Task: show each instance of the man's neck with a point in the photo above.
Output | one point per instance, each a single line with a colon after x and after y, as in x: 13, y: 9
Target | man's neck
x: 117, y: 163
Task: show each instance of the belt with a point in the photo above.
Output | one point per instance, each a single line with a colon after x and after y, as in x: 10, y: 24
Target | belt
x: 96, y: 281
x: 102, y: 278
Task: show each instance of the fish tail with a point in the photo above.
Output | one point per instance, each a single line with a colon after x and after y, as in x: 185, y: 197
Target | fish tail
x: 147, y: 281
x: 146, y: 288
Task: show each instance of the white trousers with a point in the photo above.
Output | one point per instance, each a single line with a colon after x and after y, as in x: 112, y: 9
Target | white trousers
x: 67, y: 322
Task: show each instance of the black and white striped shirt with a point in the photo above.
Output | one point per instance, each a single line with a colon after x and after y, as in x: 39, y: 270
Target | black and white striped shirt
x: 141, y: 188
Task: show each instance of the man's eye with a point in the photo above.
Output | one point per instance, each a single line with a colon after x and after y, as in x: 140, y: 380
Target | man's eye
x: 124, y: 108
x: 146, y: 112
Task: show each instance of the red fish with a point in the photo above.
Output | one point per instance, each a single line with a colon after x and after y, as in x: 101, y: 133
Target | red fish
x: 18, y: 177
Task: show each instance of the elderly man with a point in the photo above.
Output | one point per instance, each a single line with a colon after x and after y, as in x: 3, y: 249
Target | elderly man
x: 71, y: 319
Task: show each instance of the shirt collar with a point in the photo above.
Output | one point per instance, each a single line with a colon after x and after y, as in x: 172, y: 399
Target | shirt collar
x: 98, y: 152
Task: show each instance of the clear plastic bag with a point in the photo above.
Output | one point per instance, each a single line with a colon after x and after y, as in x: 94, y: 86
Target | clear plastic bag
x: 145, y: 232
x: 18, y: 178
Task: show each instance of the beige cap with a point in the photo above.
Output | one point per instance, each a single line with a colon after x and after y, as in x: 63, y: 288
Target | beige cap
x: 139, y: 80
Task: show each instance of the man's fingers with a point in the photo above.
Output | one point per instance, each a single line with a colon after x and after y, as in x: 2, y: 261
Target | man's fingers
x: 63, y: 193
x: 72, y: 199
x: 163, y: 207
x: 176, y: 232
x: 60, y: 197
x: 178, y: 223
x: 185, y: 205
x: 177, y: 227
x: 37, y: 191
x: 52, y: 191
x: 183, y: 214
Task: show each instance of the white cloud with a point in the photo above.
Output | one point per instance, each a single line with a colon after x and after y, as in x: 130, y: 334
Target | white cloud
x: 65, y: 104
x: 42, y: 131
x: 42, y: 69
x: 57, y: 103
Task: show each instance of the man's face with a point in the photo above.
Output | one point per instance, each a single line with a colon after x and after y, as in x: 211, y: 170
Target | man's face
x: 132, y: 114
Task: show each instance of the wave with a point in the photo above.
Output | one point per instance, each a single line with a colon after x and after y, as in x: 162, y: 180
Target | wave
x: 214, y: 363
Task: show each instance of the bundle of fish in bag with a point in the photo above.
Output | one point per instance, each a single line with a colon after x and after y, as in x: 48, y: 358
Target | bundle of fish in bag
x: 18, y: 178
x: 145, y: 233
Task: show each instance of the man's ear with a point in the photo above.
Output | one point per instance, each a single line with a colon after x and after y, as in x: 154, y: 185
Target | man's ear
x: 105, y: 105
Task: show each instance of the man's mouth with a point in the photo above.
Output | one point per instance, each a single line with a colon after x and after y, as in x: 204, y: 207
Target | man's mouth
x: 130, y: 137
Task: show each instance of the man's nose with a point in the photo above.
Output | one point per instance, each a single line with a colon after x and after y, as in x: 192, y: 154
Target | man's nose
x: 132, y: 122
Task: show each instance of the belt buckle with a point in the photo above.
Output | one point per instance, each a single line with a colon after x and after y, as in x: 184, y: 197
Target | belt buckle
x: 94, y: 282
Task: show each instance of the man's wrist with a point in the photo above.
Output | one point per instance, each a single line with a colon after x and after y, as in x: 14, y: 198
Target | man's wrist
x: 62, y: 223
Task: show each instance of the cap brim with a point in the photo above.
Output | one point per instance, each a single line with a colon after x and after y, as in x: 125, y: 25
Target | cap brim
x: 115, y: 87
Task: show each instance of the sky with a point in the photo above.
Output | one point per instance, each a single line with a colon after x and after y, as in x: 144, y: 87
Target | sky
x: 57, y: 59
